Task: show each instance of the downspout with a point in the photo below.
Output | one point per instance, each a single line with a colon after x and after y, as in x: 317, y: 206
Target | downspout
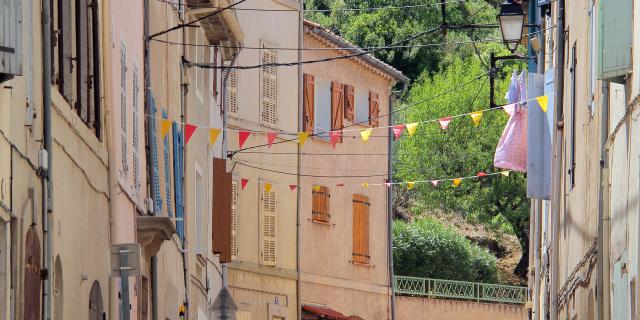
x: 298, y: 161
x: 48, y: 147
x: 390, y: 206
x: 603, y: 214
x: 538, y: 203
x: 150, y: 172
x: 558, y: 172
x: 185, y: 253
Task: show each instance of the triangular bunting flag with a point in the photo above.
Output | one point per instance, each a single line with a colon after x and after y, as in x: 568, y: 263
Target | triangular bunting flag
x: 410, y: 184
x: 456, y: 182
x: 335, y: 137
x: 388, y: 184
x: 543, y: 101
x: 505, y: 173
x: 267, y: 187
x: 481, y: 174
x: 293, y: 187
x: 271, y: 137
x: 165, y: 125
x: 316, y: 188
x: 242, y: 137
x: 339, y: 184
x: 365, y: 134
x: 411, y: 128
x: 213, y: 135
x: 476, y: 117
x: 509, y: 109
x: 398, y: 130
x: 366, y: 185
x: 189, y: 130
x: 243, y: 183
x: 434, y: 183
x: 302, y: 137
x: 444, y: 122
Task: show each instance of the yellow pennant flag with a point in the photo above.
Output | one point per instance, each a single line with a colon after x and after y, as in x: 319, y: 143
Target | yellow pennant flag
x: 302, y: 137
x: 410, y: 184
x: 411, y: 128
x: 165, y: 125
x: 543, y: 101
x: 505, y: 173
x: 316, y: 188
x: 267, y: 187
x: 366, y: 185
x: 456, y: 182
x: 476, y: 117
x: 213, y: 135
x: 365, y: 134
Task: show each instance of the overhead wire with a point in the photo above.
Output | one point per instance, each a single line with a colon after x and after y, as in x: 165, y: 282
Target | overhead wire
x: 415, y: 6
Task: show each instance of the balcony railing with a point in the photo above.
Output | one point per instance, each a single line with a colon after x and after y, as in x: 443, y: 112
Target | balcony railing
x: 459, y: 290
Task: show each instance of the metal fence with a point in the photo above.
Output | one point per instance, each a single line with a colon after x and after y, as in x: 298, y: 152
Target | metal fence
x: 459, y: 290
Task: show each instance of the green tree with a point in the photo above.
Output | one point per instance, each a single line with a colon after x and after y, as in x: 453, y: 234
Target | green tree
x: 426, y: 248
x: 461, y: 150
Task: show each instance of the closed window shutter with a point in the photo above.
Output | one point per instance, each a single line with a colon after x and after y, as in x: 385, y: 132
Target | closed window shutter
x: 65, y: 56
x: 232, y: 90
x: 337, y: 107
x: 269, y: 87
x: 374, y: 109
x: 360, y: 229
x: 222, y: 215
x: 214, y: 74
x: 269, y: 226
x: 82, y: 56
x: 234, y: 220
x: 123, y: 110
x: 177, y: 178
x: 349, y: 102
x: 155, y: 182
x: 309, y: 103
x: 135, y: 132
x: 320, y: 204
x: 167, y: 168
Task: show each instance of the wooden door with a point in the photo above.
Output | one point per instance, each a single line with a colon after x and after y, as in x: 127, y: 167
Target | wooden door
x: 32, y: 269
x: 95, y: 302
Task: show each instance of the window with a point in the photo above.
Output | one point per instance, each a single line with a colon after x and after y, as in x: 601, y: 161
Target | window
x: 360, y: 229
x: 232, y: 90
x: 123, y: 110
x: 234, y: 219
x: 572, y: 156
x: 76, y: 44
x: 322, y: 100
x: 269, y: 88
x: 337, y: 106
x: 374, y: 109
x: 362, y: 107
x: 320, y: 204
x: 268, y: 209
x: 135, y: 131
x: 200, y: 221
x: 309, y: 103
x: 349, y: 102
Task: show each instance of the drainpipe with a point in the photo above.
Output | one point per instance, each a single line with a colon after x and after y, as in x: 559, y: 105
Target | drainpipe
x: 603, y: 214
x: 184, y: 90
x: 150, y: 172
x: 558, y: 172
x: 48, y: 147
x: 298, y: 178
x: 390, y: 206
x: 538, y: 203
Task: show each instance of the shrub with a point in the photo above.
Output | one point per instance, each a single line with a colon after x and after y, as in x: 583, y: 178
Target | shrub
x: 426, y: 248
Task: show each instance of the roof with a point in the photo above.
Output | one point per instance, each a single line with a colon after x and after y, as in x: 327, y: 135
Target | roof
x: 323, y: 313
x: 340, y: 42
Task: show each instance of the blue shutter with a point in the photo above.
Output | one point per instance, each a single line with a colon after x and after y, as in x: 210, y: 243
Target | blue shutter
x: 155, y: 180
x: 177, y: 172
x: 167, y: 172
x: 616, y: 26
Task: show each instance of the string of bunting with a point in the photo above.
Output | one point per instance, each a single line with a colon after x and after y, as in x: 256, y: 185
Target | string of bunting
x: 455, y: 182
x: 335, y: 136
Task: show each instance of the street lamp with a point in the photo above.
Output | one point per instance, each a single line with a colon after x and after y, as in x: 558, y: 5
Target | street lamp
x: 511, y: 19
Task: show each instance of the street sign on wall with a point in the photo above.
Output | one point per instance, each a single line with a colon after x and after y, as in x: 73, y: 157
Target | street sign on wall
x: 125, y: 257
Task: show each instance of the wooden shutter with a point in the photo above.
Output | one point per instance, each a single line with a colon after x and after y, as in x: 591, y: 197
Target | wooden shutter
x: 234, y: 219
x: 337, y: 106
x: 82, y: 56
x: 374, y: 109
x: 360, y: 229
x: 269, y: 225
x: 65, y: 55
x: 349, y: 102
x: 309, y: 103
x: 32, y: 279
x: 214, y: 74
x: 124, y: 141
x: 222, y: 202
x: 232, y: 90
x: 269, y: 87
x: 320, y: 204
x: 135, y: 134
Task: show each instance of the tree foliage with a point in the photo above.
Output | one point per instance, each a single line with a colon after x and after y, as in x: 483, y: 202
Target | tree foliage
x: 426, y: 248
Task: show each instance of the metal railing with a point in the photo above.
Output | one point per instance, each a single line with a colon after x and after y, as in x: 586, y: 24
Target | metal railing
x: 459, y: 290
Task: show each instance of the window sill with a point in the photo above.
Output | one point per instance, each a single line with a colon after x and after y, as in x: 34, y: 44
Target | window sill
x: 322, y: 222
x: 362, y: 264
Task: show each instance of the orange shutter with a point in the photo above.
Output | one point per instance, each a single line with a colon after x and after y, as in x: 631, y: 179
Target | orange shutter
x: 374, y: 109
x: 320, y: 205
x: 360, y: 229
x: 349, y: 102
x: 309, y: 103
x: 337, y: 106
x: 222, y: 187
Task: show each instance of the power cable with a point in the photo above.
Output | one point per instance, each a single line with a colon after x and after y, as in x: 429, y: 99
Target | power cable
x: 416, y: 6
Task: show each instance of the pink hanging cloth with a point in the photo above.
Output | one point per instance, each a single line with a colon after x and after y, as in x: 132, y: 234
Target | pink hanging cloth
x: 511, y: 152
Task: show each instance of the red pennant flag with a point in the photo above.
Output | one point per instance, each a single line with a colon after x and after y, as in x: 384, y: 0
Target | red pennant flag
x: 335, y: 137
x: 339, y: 184
x: 243, y: 183
x: 271, y: 137
x: 434, y: 183
x: 444, y: 122
x: 242, y: 137
x: 481, y: 174
x: 189, y: 130
x: 293, y: 187
x: 398, y: 130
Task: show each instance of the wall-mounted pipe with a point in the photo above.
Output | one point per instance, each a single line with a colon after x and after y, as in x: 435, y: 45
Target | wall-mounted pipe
x: 603, y: 259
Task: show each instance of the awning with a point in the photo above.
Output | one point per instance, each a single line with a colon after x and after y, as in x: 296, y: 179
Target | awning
x: 315, y: 312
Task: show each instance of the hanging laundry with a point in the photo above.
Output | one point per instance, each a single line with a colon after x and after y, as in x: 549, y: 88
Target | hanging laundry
x: 511, y: 152
x: 512, y: 92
